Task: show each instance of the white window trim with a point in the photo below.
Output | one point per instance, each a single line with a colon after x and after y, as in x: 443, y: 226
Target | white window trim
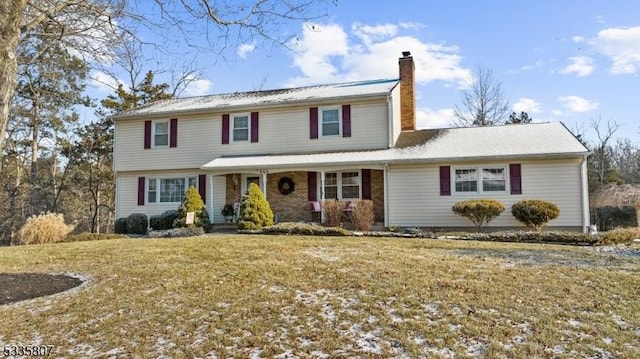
x: 320, y: 117
x: 339, y: 185
x: 153, y: 133
x: 158, y: 187
x: 479, y: 169
x: 232, y: 123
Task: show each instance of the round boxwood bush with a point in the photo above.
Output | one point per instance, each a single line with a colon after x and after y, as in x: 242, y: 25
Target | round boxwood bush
x: 155, y: 222
x: 167, y: 218
x: 534, y: 213
x: 120, y: 226
x: 479, y: 211
x: 137, y: 223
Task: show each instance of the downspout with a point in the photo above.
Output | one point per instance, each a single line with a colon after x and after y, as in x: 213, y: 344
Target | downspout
x: 390, y: 119
x: 584, y: 187
x: 385, y: 189
x: 322, y: 196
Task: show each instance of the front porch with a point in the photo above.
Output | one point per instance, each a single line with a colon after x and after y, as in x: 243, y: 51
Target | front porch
x: 308, y: 186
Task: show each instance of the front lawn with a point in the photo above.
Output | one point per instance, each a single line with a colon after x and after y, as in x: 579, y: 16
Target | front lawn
x: 291, y: 296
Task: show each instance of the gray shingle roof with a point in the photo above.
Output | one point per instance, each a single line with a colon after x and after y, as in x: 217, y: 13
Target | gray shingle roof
x: 257, y: 99
x: 536, y: 140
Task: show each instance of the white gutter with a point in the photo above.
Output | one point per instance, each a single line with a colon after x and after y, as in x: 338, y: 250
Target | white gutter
x: 390, y: 119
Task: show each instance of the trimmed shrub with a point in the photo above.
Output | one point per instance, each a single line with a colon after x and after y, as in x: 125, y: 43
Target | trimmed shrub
x: 534, y: 213
x: 177, y: 232
x: 255, y: 211
x: 479, y: 211
x: 168, y: 217
x: 137, y: 223
x: 333, y: 211
x: 192, y: 202
x: 621, y: 235
x: 309, y: 229
x: 120, y: 226
x: 362, y: 215
x: 607, y: 218
x: 44, y: 228
x: 574, y: 238
x: 155, y: 222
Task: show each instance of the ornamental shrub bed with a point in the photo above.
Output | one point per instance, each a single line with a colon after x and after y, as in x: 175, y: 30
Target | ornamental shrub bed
x: 604, y: 238
x: 304, y: 229
x: 177, y: 232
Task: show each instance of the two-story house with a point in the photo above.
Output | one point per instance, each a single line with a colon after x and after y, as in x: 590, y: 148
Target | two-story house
x: 343, y: 141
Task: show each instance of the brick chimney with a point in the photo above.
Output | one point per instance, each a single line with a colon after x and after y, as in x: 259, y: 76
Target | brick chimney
x: 407, y: 92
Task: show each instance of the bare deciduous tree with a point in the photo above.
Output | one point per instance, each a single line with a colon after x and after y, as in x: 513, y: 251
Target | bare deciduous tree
x: 484, y: 103
x: 601, y: 161
x: 94, y: 27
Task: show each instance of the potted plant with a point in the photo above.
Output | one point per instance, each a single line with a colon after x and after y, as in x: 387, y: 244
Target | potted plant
x: 228, y: 212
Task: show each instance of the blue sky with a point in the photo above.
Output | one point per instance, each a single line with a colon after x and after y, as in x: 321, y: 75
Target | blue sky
x: 569, y: 61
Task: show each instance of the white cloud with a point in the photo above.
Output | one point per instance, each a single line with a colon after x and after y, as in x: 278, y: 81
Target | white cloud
x: 527, y: 105
x: 244, y: 49
x: 332, y: 55
x: 198, y: 88
x: 104, y: 82
x: 315, y: 52
x: 577, y: 104
x: 428, y: 118
x: 622, y: 45
x: 578, y: 39
x: 580, y: 65
x: 369, y: 34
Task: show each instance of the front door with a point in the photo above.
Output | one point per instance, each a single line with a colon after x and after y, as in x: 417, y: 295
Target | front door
x: 249, y: 179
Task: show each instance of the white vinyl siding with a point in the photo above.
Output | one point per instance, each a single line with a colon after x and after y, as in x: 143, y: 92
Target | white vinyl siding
x: 415, y: 200
x: 200, y: 137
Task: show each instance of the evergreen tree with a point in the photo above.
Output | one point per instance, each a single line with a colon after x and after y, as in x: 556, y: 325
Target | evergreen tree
x: 255, y: 211
x: 192, y: 202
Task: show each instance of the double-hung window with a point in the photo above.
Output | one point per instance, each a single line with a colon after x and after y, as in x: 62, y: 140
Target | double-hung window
x: 487, y: 179
x: 169, y: 190
x: 240, y: 128
x: 160, y: 133
x: 330, y: 125
x: 342, y: 185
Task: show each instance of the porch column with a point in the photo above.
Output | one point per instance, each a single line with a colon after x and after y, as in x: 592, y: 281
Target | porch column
x: 264, y: 182
x: 211, y: 204
x: 385, y: 186
x: 321, y: 196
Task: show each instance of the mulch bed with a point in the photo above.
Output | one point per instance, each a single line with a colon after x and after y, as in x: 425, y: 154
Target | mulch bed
x: 15, y: 287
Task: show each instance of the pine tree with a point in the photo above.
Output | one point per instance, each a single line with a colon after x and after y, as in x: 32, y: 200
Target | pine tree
x: 192, y: 202
x: 255, y: 211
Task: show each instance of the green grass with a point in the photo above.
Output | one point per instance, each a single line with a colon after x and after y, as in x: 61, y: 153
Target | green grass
x: 328, y: 297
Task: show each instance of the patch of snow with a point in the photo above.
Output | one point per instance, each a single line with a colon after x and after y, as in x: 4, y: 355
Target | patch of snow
x: 620, y: 322
x: 319, y: 354
x: 575, y: 323
x: 433, y: 308
x: 477, y: 349
x: 255, y: 353
x: 607, y: 340
x: 368, y: 342
x: 286, y: 355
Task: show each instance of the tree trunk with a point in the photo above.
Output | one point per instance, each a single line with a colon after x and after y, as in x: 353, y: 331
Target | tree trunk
x: 10, y: 18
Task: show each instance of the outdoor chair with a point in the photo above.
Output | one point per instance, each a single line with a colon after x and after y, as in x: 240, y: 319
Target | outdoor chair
x: 316, y: 211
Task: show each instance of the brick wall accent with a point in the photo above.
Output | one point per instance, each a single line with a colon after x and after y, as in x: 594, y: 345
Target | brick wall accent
x: 293, y: 207
x: 377, y: 194
x: 233, y: 194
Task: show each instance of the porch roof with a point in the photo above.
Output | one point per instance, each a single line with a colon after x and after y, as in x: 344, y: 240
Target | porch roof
x: 539, y: 140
